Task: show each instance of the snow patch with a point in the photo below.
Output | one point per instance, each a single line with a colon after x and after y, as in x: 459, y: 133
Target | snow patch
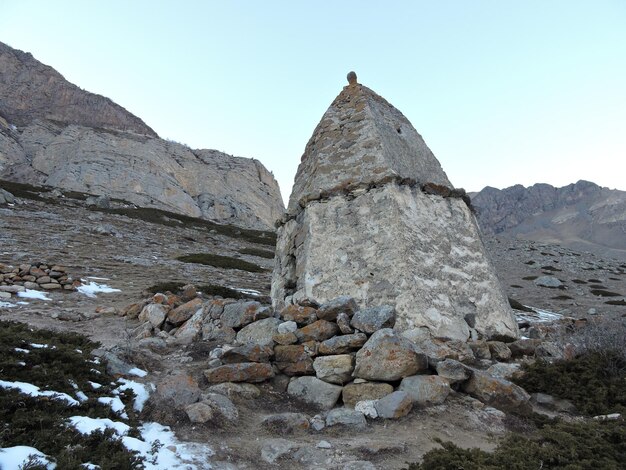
x: 137, y: 372
x: 86, y: 425
x: 93, y: 288
x: 20, y: 350
x: 252, y: 292
x: 14, y: 458
x: 141, y: 392
x: 116, y: 405
x: 33, y: 391
x: 6, y: 305
x: 33, y: 294
x: 159, y: 456
x: 538, y: 316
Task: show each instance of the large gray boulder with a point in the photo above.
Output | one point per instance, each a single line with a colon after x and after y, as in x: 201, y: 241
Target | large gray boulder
x: 395, y: 405
x: 259, y: 332
x: 426, y: 390
x: 314, y: 391
x: 388, y: 356
x: 368, y: 320
x: 334, y: 369
x: 497, y: 392
x: 373, y: 216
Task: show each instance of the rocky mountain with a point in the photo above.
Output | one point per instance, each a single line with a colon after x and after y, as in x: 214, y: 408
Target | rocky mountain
x: 30, y: 90
x: 581, y: 216
x: 53, y: 133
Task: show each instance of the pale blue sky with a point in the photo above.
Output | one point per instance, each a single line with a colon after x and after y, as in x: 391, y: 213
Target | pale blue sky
x: 503, y: 92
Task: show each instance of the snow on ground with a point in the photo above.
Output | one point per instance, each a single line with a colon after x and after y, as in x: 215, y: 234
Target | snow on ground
x: 86, y: 425
x: 6, y: 305
x: 20, y: 350
x: 33, y: 391
x: 98, y: 278
x: 156, y: 444
x: 116, y: 405
x: 252, y: 292
x: 138, y: 372
x: 14, y: 458
x: 141, y: 392
x: 33, y: 294
x: 93, y: 288
x: 538, y: 316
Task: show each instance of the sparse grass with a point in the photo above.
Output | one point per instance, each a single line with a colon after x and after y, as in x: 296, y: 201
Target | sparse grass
x: 530, y: 278
x: 616, y: 302
x: 156, y: 216
x: 518, y: 306
x: 550, y: 268
x: 218, y: 261
x: 257, y: 252
x: 171, y: 219
x: 594, y: 381
x: 605, y: 293
x: 207, y: 289
x: 42, y: 423
x: 568, y: 446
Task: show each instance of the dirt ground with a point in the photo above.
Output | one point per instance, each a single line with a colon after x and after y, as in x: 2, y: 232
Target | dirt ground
x: 132, y: 255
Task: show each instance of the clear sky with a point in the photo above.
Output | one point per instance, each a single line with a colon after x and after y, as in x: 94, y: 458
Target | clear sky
x: 503, y: 91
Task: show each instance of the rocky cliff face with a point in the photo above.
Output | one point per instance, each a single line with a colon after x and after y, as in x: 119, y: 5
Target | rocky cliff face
x: 30, y: 90
x: 52, y: 133
x: 582, y: 216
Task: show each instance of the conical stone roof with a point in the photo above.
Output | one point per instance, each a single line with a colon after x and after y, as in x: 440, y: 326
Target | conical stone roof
x: 362, y: 139
x: 373, y: 216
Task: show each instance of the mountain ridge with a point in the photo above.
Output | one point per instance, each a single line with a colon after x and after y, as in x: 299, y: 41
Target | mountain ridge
x: 581, y: 215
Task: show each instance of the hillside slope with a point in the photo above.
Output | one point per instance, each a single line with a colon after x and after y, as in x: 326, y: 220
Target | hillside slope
x: 55, y: 134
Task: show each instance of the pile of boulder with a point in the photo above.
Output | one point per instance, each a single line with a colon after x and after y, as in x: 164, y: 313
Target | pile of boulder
x: 335, y: 357
x: 37, y: 276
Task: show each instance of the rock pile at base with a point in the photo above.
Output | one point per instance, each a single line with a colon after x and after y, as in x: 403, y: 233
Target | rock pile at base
x: 324, y: 355
x: 372, y: 215
x: 38, y: 276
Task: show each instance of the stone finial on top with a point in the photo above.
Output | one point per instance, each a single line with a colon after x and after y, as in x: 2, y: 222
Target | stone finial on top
x: 351, y: 78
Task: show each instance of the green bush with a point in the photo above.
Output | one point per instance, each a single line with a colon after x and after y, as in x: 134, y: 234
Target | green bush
x: 42, y: 423
x: 219, y: 261
x: 257, y: 252
x: 588, y: 445
x: 207, y: 289
x: 594, y: 381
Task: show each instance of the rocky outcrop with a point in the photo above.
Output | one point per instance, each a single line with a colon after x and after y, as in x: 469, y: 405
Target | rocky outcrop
x: 582, y: 216
x: 31, y: 90
x: 372, y: 215
x: 92, y: 145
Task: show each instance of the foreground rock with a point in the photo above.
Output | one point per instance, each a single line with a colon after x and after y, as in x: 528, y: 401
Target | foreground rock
x: 387, y: 356
x: 314, y: 391
x: 496, y: 392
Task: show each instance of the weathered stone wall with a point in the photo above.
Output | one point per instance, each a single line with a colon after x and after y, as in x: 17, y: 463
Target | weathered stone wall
x: 394, y: 245
x: 362, y: 139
